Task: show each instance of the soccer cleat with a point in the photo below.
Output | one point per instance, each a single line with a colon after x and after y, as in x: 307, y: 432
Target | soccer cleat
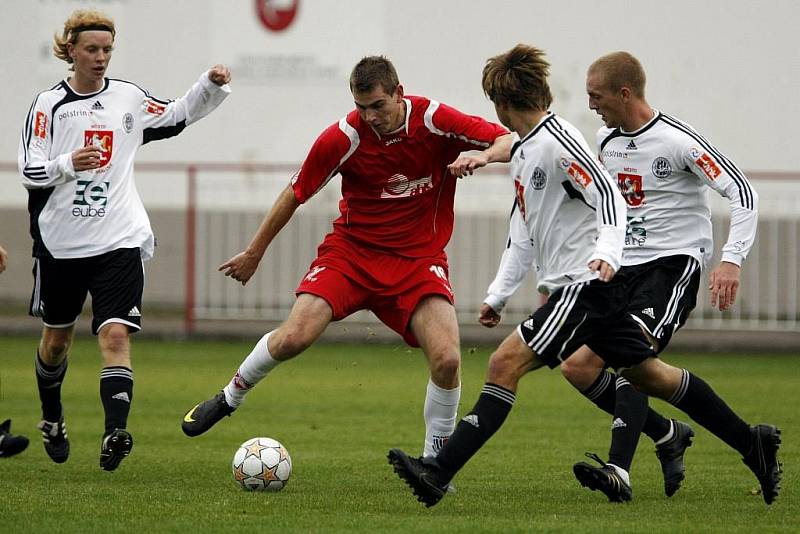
x: 56, y: 442
x: 421, y: 475
x: 115, y: 447
x: 670, y: 454
x: 604, y: 478
x: 205, y: 415
x: 763, y: 460
x: 10, y: 444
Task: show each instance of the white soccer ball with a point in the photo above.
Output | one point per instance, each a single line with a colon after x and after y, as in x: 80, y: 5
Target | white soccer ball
x: 262, y: 464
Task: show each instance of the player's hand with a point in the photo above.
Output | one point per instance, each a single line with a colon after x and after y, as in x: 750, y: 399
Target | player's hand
x: 487, y: 316
x: 240, y: 267
x: 219, y: 74
x: 724, y: 283
x: 606, y: 271
x: 86, y: 158
x: 467, y: 163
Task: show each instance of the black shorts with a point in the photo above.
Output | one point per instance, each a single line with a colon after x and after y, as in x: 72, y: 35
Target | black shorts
x: 591, y: 313
x: 661, y: 294
x: 114, y: 279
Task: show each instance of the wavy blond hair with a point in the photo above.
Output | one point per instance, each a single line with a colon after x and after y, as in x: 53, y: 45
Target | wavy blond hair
x: 80, y: 20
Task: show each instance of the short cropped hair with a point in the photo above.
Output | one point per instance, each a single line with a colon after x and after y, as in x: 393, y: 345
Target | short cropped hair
x: 621, y: 69
x: 518, y: 79
x: 80, y: 20
x: 373, y: 71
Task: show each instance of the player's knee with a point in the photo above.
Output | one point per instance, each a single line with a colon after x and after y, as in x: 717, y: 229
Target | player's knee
x: 54, y: 350
x: 114, y: 337
x: 445, y: 366
x: 289, y: 342
x: 505, y: 369
x: 578, y: 374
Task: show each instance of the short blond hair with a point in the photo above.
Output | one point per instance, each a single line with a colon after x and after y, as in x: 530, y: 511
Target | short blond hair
x: 518, y: 79
x: 80, y: 20
x: 621, y: 69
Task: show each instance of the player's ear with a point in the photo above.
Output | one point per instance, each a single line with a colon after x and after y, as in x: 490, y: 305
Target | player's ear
x: 398, y: 92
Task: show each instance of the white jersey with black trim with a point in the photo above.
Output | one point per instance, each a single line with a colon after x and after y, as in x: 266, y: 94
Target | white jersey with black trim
x: 567, y: 212
x: 87, y: 213
x: 664, y: 170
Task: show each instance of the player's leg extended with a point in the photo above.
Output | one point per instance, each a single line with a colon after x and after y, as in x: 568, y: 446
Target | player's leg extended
x: 435, y: 326
x: 51, y: 368
x: 116, y: 393
x: 758, y: 444
x: 308, y: 318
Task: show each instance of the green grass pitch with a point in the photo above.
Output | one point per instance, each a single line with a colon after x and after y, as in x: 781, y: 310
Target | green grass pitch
x: 338, y: 409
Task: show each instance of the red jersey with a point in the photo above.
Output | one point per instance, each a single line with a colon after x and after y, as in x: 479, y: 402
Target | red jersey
x: 397, y: 194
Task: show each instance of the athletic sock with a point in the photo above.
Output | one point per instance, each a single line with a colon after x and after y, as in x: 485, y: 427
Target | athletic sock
x: 116, y: 392
x: 441, y: 406
x: 255, y: 367
x: 702, y: 404
x: 629, y: 416
x: 603, y: 394
x: 475, y: 428
x: 48, y: 380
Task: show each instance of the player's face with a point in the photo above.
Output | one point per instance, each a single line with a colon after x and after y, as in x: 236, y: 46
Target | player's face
x: 91, y: 55
x: 603, y: 101
x: 383, y: 111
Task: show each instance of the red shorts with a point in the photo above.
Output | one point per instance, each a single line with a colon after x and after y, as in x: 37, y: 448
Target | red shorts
x: 352, y: 278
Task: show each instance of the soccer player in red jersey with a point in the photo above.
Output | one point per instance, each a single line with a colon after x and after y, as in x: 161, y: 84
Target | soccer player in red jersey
x: 399, y: 157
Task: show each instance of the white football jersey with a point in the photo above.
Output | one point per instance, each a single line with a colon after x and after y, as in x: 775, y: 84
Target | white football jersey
x: 567, y: 212
x: 87, y: 213
x: 663, y: 170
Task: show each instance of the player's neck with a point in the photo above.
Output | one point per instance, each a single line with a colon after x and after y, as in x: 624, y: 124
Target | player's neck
x: 523, y: 122
x: 84, y: 86
x: 640, y: 115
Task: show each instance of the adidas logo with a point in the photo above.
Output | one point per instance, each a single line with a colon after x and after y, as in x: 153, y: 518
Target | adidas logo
x: 618, y: 423
x: 123, y: 396
x: 471, y: 419
x: 631, y: 145
x: 649, y: 312
x: 134, y: 312
x: 528, y: 324
x: 97, y: 105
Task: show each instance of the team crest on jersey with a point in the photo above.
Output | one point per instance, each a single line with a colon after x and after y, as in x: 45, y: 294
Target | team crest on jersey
x: 40, y: 126
x: 155, y: 108
x: 578, y: 174
x: 661, y: 168
x: 538, y: 178
x: 708, y: 166
x: 127, y: 122
x: 102, y: 139
x: 399, y: 185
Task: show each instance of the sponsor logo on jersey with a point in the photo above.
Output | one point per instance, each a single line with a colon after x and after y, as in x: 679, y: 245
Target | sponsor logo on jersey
x: 538, y: 178
x: 155, y: 108
x: 40, y: 126
x: 635, y: 232
x: 399, y: 185
x: 312, y: 274
x: 392, y: 141
x: 631, y: 146
x: 578, y: 174
x: 519, y: 190
x: 661, y: 168
x: 708, y: 166
x: 97, y: 105
x: 102, y: 139
x: 614, y: 154
x: 90, y: 199
x: 127, y: 123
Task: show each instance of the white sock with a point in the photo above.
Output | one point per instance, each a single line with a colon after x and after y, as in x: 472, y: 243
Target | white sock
x: 669, y: 434
x: 441, y: 406
x: 255, y: 367
x: 624, y: 475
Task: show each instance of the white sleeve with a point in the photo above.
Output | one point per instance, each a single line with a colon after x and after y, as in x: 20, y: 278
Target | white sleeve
x: 514, y: 265
x: 722, y: 175
x: 166, y: 118
x: 36, y: 166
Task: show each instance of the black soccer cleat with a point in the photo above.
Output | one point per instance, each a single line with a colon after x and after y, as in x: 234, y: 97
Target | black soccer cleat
x: 205, y: 415
x: 605, y: 479
x: 422, y: 475
x: 670, y: 454
x: 9, y: 443
x: 114, y: 448
x: 56, y: 442
x: 763, y: 460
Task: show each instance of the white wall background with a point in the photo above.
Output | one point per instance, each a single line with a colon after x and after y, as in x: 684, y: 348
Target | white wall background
x: 730, y: 67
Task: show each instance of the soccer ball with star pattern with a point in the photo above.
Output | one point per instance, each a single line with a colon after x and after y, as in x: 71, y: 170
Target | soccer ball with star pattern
x: 262, y: 464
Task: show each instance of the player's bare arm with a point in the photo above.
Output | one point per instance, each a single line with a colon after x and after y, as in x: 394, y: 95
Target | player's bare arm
x: 606, y: 271
x: 86, y: 158
x: 242, y: 266
x: 488, y: 317
x: 219, y: 74
x: 724, y: 283
x: 499, y: 151
x: 3, y: 259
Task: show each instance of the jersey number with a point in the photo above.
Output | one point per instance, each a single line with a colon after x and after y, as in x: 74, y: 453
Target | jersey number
x: 630, y: 185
